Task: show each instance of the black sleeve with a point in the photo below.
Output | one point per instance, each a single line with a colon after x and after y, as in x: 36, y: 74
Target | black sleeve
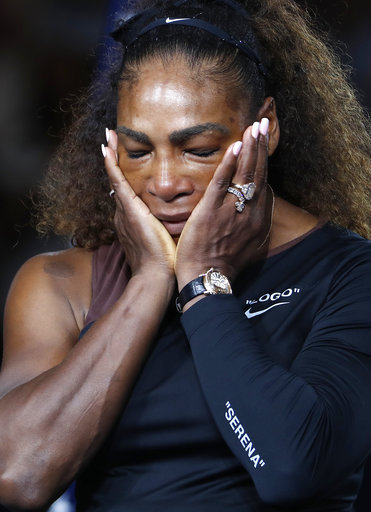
x: 296, y: 430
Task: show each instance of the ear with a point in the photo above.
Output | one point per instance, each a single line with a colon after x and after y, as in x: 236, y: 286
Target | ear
x: 268, y: 109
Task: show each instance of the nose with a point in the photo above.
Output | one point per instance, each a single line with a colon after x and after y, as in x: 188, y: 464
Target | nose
x: 168, y: 180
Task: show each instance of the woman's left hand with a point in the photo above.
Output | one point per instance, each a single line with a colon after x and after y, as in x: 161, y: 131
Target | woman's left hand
x: 216, y: 234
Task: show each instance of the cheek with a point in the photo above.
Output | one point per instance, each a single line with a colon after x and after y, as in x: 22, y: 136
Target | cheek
x: 136, y: 182
x: 202, y: 179
x: 202, y: 174
x: 133, y: 176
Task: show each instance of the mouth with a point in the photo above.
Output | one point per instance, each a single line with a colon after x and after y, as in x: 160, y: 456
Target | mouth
x: 174, y: 223
x: 174, y: 228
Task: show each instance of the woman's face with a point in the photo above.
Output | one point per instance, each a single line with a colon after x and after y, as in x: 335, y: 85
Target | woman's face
x: 172, y: 134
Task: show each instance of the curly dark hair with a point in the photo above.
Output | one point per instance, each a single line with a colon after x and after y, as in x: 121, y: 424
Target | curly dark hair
x: 323, y: 160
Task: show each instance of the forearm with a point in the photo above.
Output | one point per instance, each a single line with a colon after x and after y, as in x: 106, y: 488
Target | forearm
x: 53, y: 424
x: 286, y: 426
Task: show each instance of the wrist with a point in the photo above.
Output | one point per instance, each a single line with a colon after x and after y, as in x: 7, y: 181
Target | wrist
x: 157, y: 281
x: 161, y: 272
x: 186, y: 276
x: 211, y: 282
x: 192, y: 302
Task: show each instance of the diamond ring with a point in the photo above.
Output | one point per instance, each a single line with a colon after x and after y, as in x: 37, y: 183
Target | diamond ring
x: 248, y: 189
x: 240, y: 204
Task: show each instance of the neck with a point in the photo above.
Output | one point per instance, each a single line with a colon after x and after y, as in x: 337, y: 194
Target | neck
x: 289, y: 222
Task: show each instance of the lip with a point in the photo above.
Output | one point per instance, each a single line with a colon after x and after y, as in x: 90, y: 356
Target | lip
x: 174, y: 228
x: 175, y: 217
x: 174, y: 223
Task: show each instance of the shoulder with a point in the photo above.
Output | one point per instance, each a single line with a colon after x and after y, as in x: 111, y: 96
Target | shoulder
x: 63, y: 275
x: 337, y: 258
x: 346, y: 259
x: 44, y: 313
x: 61, y: 263
x: 345, y: 248
x: 332, y: 244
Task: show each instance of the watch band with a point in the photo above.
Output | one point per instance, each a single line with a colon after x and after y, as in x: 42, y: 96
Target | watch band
x: 211, y: 283
x: 192, y: 289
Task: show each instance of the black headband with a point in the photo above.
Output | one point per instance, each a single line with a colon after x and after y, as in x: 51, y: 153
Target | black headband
x: 139, y: 25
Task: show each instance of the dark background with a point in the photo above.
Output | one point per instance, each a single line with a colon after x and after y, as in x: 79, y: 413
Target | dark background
x: 48, y: 50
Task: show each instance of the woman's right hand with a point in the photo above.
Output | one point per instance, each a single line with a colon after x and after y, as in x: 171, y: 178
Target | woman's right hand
x: 89, y: 380
x: 148, y: 245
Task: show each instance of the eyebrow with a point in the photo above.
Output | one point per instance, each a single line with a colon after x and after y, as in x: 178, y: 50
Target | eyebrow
x: 177, y: 137
x: 137, y: 136
x: 181, y: 136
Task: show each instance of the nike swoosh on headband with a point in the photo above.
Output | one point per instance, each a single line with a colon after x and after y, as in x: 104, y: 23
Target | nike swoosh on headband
x: 171, y: 20
x: 256, y: 313
x: 138, y: 25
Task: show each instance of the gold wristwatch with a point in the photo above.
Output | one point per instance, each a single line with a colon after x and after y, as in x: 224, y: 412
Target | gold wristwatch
x: 212, y: 282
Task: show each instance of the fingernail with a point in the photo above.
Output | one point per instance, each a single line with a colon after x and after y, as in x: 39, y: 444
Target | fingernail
x: 237, y: 148
x: 107, y: 135
x: 264, y: 125
x: 104, y: 151
x: 255, y: 130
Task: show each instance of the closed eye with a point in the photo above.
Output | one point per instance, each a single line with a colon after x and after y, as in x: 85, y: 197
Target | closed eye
x: 203, y: 153
x: 136, y: 154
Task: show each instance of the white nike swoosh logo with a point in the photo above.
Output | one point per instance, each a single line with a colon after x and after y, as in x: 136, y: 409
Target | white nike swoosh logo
x: 171, y: 20
x: 251, y: 315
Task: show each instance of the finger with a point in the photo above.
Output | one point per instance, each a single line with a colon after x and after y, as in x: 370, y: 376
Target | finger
x: 125, y: 197
x: 247, y: 160
x: 104, y: 151
x: 111, y: 137
x: 115, y: 175
x: 261, y: 170
x: 122, y: 190
x: 221, y: 180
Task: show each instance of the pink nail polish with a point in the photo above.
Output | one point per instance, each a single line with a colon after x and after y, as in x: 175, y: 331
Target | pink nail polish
x: 255, y: 130
x: 104, y: 151
x: 264, y: 125
x: 107, y: 135
x: 237, y: 148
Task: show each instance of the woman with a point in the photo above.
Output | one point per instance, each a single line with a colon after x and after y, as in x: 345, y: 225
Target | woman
x: 256, y: 396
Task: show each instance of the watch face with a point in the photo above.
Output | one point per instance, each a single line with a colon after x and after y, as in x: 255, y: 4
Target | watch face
x: 215, y: 282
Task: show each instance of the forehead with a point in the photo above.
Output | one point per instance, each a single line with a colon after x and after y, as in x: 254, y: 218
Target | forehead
x: 167, y: 89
